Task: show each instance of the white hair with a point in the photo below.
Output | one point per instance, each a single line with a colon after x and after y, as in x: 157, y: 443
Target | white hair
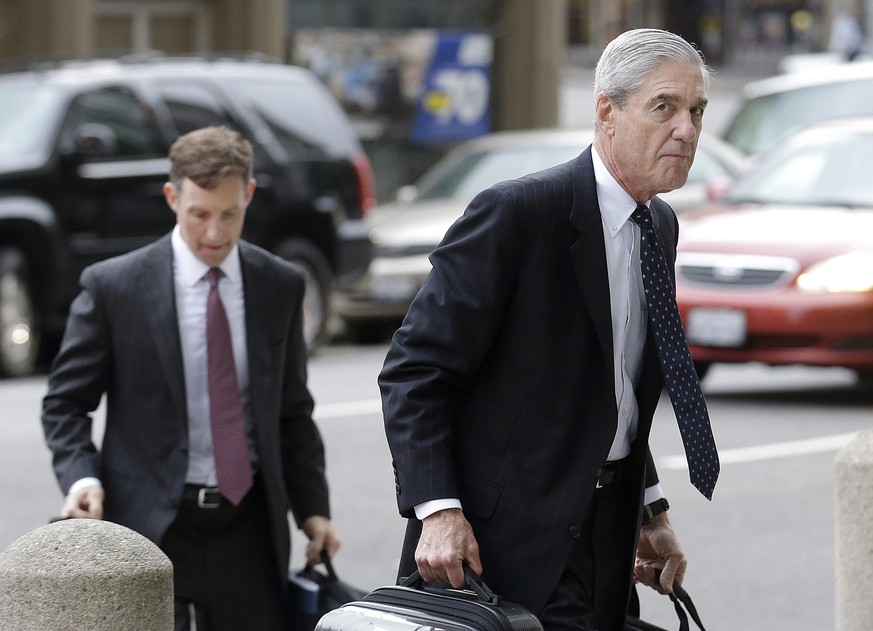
x: 629, y: 59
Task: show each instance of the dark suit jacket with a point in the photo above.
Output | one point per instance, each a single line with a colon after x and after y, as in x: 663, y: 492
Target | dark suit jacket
x: 498, y: 387
x: 122, y: 339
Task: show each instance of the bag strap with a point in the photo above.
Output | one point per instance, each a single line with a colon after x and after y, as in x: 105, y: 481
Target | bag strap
x: 325, y: 560
x: 680, y: 597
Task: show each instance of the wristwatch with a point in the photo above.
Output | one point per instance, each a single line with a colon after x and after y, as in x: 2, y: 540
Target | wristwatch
x: 655, y: 508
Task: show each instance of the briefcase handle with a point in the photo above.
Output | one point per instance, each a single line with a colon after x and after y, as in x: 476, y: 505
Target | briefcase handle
x: 474, y: 582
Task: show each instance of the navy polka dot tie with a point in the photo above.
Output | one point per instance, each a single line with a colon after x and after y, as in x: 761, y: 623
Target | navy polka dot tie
x: 676, y: 364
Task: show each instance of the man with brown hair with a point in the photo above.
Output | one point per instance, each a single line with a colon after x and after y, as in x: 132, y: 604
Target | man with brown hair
x: 197, y: 343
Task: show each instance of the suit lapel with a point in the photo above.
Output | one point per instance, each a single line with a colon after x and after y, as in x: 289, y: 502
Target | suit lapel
x: 159, y: 304
x: 256, y: 295
x: 589, y: 252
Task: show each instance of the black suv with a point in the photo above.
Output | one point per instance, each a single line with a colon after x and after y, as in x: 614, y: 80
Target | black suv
x: 83, y: 150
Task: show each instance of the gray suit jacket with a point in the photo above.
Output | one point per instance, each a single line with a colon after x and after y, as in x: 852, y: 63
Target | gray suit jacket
x: 498, y: 388
x: 122, y: 339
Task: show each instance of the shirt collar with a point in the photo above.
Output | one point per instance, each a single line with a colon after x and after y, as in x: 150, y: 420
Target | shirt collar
x: 616, y: 206
x: 191, y: 270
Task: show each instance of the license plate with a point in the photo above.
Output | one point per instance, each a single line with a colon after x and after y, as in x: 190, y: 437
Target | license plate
x: 394, y: 288
x: 716, y: 327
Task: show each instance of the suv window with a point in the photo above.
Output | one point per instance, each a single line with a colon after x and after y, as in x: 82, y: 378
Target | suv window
x: 312, y: 124
x: 193, y: 106
x: 118, y: 109
x: 764, y: 120
x: 24, y: 136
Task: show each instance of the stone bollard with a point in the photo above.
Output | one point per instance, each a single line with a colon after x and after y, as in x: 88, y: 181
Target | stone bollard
x: 854, y: 534
x: 85, y: 574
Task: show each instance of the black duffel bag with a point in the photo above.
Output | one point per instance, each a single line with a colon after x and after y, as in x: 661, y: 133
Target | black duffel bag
x: 312, y: 593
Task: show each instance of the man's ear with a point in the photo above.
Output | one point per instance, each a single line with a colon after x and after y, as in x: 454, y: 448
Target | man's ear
x: 170, y: 195
x: 604, y: 113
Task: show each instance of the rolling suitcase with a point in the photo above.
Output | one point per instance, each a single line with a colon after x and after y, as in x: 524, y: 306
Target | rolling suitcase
x: 413, y: 605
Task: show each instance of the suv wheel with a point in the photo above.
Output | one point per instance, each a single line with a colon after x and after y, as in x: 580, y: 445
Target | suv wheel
x: 19, y: 332
x: 319, y: 283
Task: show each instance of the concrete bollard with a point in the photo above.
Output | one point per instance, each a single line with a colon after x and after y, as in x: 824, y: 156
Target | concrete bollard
x: 85, y: 574
x: 854, y: 534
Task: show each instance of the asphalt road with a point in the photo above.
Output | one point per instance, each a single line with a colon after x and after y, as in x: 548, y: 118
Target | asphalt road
x: 761, y: 554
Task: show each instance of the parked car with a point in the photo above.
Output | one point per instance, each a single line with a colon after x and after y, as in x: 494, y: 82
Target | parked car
x: 405, y: 232
x: 780, y: 271
x: 83, y: 150
x: 772, y: 109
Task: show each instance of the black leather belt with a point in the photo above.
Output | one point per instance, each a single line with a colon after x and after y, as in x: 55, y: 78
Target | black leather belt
x: 611, y: 472
x: 204, y: 496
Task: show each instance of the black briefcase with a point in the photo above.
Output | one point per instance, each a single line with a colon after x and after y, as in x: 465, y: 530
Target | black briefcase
x: 312, y: 593
x: 414, y: 605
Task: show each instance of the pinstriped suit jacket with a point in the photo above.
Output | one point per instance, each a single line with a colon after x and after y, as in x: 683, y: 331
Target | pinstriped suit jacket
x: 122, y: 339
x: 498, y: 387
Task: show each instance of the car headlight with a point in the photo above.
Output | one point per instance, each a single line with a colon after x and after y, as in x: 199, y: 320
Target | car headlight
x: 852, y: 272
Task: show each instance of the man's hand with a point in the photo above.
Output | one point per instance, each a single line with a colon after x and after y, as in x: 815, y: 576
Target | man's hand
x: 446, y: 542
x: 321, y: 537
x: 659, y: 549
x: 86, y: 502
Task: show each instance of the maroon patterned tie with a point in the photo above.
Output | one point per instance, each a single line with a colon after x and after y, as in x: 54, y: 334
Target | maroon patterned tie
x: 229, y: 441
x: 676, y: 363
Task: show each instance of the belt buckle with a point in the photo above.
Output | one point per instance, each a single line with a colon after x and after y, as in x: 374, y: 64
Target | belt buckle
x: 203, y: 501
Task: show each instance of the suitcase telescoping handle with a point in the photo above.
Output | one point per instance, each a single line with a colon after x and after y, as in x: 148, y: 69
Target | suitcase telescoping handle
x: 474, y: 582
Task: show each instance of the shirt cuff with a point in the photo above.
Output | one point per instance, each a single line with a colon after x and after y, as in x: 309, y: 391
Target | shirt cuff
x: 82, y: 483
x: 653, y: 494
x: 426, y: 509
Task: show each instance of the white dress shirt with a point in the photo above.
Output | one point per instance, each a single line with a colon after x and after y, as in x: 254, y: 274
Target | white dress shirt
x: 192, y: 289
x: 621, y: 237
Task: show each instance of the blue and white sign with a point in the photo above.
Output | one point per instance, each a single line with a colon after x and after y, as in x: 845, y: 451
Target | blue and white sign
x: 455, y: 98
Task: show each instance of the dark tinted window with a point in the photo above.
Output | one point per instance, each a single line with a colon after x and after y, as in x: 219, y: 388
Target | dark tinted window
x: 193, y: 106
x: 300, y: 115
x: 392, y: 13
x: 116, y: 116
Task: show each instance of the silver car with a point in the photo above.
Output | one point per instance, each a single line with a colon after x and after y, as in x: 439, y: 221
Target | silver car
x: 407, y: 230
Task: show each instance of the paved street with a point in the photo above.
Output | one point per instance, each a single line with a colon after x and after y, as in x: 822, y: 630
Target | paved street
x: 761, y: 554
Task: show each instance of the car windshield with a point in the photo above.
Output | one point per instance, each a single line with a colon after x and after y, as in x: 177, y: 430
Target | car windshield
x: 826, y: 170
x: 764, y: 120
x: 463, y: 178
x: 25, y: 135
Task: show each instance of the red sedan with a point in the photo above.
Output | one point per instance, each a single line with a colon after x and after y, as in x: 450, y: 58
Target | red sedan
x: 780, y: 270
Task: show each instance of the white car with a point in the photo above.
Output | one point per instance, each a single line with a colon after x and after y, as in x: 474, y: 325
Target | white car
x: 407, y: 230
x: 773, y: 109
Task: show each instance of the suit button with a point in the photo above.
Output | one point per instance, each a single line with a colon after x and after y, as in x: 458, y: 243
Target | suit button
x: 596, y: 471
x: 575, y: 531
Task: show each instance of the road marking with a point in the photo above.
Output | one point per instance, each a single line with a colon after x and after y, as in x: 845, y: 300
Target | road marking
x: 821, y: 444
x: 769, y: 452
x: 348, y: 408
